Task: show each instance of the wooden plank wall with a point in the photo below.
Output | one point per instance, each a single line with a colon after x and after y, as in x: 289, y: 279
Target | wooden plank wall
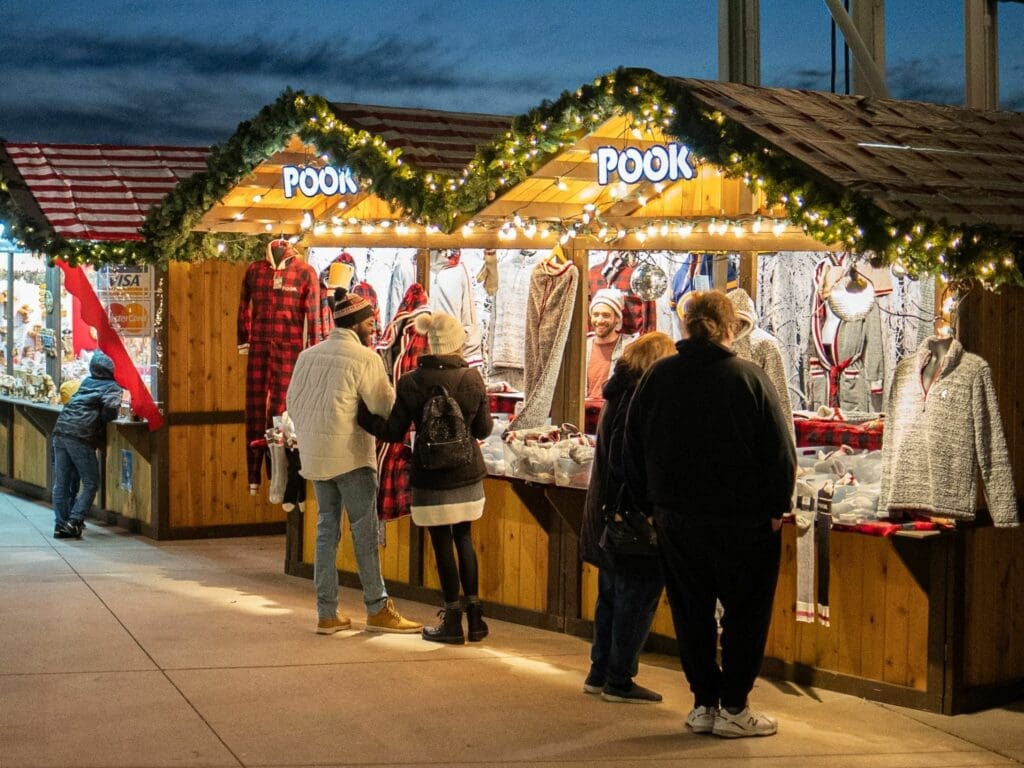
x: 137, y: 503
x: 994, y: 606
x: 204, y: 370
x: 992, y: 326
x: 6, y: 427
x: 206, y: 376
x: 29, y: 452
x: 879, y: 614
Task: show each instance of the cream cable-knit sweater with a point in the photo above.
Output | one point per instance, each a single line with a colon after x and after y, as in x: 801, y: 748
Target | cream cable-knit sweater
x: 938, y: 436
x: 761, y: 348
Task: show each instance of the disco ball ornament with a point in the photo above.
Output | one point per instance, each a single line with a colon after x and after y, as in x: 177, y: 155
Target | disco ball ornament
x: 648, y: 281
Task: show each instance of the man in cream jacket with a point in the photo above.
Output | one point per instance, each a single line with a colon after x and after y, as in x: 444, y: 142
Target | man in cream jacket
x: 338, y: 456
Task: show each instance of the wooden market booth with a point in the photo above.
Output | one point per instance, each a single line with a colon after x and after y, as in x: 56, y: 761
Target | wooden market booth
x: 84, y: 205
x: 910, y: 622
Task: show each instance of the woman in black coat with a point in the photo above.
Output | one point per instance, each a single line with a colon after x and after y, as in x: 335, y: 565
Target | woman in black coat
x: 628, y: 585
x: 445, y: 501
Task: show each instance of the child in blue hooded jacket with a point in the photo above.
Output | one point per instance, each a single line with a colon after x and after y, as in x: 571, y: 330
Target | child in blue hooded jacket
x: 80, y: 429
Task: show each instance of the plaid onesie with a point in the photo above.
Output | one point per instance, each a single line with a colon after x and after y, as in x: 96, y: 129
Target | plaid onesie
x: 401, y: 348
x: 278, y: 316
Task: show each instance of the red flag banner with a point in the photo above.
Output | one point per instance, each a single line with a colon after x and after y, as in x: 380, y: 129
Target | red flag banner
x: 125, y: 372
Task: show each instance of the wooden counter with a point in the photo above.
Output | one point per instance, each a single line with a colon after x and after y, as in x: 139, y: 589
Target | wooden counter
x: 931, y: 622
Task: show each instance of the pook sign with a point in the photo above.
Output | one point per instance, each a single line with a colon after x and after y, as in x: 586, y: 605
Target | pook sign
x: 662, y: 162
x: 312, y: 181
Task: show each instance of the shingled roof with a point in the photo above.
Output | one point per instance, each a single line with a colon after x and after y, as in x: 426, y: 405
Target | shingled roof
x: 430, y: 140
x: 96, y: 192
x: 911, y: 159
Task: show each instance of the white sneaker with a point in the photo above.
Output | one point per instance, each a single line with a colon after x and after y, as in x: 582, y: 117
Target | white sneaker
x: 702, y: 719
x: 745, y: 723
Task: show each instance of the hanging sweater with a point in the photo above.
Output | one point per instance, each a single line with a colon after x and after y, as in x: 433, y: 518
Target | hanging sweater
x: 940, y: 433
x: 761, y: 348
x: 548, y: 316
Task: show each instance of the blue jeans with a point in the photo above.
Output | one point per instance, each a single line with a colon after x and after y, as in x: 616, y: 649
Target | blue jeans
x: 356, y: 491
x: 626, y: 601
x: 73, y: 460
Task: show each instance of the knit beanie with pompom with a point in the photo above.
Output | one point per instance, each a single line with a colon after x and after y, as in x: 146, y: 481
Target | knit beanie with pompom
x: 444, y: 333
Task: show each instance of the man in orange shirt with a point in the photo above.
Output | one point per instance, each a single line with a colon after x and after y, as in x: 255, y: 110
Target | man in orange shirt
x: 606, y: 341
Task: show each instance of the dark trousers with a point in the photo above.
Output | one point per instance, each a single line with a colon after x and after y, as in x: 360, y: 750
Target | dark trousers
x: 627, y: 598
x: 73, y: 461
x: 443, y: 537
x: 740, y: 567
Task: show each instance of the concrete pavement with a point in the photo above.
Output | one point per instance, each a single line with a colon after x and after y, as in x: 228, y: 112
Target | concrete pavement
x: 120, y: 651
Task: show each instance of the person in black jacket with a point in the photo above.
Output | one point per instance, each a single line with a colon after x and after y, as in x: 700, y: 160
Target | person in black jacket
x: 81, y: 428
x: 628, y: 585
x: 445, y: 501
x: 707, y: 448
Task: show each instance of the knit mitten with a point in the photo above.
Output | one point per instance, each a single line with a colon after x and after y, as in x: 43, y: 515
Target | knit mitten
x: 278, y: 472
x: 488, y: 274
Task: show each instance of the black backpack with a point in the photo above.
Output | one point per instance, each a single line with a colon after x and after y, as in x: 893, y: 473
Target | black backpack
x: 442, y: 437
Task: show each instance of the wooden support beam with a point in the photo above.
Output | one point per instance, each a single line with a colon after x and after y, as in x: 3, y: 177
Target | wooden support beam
x: 981, y: 54
x: 569, y: 389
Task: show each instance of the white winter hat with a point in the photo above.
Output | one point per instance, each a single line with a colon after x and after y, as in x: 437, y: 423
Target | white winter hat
x: 610, y: 298
x: 444, y: 333
x: 746, y: 314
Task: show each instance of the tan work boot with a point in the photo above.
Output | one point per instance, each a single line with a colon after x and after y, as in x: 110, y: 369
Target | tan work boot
x: 330, y: 626
x: 388, y: 619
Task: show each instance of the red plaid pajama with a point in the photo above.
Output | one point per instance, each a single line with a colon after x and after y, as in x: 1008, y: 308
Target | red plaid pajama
x: 403, y: 349
x: 275, y: 307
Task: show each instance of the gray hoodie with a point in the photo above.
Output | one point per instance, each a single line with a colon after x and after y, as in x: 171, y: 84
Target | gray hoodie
x: 761, y: 348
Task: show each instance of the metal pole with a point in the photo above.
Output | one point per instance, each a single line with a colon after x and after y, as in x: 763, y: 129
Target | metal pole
x: 861, y: 54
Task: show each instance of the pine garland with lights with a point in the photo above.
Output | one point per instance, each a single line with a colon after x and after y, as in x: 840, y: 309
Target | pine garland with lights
x: 820, y: 207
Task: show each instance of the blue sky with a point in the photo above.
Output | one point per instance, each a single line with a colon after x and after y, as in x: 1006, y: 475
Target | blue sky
x: 187, y: 71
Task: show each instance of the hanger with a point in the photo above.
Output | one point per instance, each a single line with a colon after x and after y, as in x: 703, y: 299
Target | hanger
x: 557, y: 257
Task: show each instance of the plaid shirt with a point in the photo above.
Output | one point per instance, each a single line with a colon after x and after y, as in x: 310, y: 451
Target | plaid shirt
x: 281, y: 300
x: 401, y: 348
x: 866, y: 436
x: 638, y: 316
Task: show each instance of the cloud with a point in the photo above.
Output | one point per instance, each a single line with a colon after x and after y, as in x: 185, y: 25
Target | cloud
x: 927, y: 79
x: 919, y: 79
x: 87, y: 87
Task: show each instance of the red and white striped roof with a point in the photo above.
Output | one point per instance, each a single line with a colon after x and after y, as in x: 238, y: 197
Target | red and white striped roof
x: 101, y: 192
x: 430, y: 140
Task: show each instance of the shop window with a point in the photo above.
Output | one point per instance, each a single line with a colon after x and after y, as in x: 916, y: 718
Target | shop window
x: 5, y: 307
x: 29, y: 333
x: 127, y: 294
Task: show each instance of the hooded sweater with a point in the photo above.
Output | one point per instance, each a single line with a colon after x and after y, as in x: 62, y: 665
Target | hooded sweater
x: 706, y: 440
x: 939, y: 433
x: 761, y: 348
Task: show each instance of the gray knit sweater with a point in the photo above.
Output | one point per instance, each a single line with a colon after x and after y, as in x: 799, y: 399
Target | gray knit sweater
x: 938, y: 436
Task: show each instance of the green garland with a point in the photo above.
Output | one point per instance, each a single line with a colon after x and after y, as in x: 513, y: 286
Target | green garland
x: 823, y: 209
